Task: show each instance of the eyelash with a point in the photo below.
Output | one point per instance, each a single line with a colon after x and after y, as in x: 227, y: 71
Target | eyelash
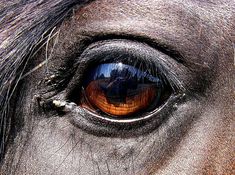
x: 163, y: 64
x: 69, y: 67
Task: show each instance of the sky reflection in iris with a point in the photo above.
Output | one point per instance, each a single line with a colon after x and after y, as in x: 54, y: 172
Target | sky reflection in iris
x: 105, y: 71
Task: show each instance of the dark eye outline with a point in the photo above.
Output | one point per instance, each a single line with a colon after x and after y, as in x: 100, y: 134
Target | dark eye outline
x: 99, y: 125
x: 69, y: 75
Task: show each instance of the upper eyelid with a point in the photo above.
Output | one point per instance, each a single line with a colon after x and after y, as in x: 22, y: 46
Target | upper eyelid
x: 164, y: 50
x: 166, y: 64
x: 77, y: 44
x: 158, y: 45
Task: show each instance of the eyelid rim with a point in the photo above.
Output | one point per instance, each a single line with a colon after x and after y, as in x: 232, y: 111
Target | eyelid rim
x: 90, y: 55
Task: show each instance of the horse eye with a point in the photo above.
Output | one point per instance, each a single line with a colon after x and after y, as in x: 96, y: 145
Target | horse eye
x: 121, y: 90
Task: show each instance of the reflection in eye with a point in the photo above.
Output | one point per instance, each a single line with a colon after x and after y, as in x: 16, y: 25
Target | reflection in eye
x: 121, y: 90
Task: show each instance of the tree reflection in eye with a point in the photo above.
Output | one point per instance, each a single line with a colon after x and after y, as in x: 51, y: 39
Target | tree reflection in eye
x: 121, y: 90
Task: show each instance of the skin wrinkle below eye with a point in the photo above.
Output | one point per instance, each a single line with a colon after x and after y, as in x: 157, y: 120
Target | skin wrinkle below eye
x: 195, y: 139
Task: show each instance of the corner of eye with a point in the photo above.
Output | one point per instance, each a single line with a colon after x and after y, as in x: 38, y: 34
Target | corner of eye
x: 63, y: 105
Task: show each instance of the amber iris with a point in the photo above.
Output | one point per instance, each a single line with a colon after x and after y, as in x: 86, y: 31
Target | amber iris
x: 120, y: 90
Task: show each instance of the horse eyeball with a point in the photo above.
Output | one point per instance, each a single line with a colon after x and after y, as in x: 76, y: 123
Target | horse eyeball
x: 121, y: 90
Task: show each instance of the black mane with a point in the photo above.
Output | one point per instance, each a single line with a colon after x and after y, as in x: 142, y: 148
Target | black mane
x: 24, y: 25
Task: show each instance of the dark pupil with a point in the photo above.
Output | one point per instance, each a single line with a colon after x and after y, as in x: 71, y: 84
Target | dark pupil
x: 120, y: 90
